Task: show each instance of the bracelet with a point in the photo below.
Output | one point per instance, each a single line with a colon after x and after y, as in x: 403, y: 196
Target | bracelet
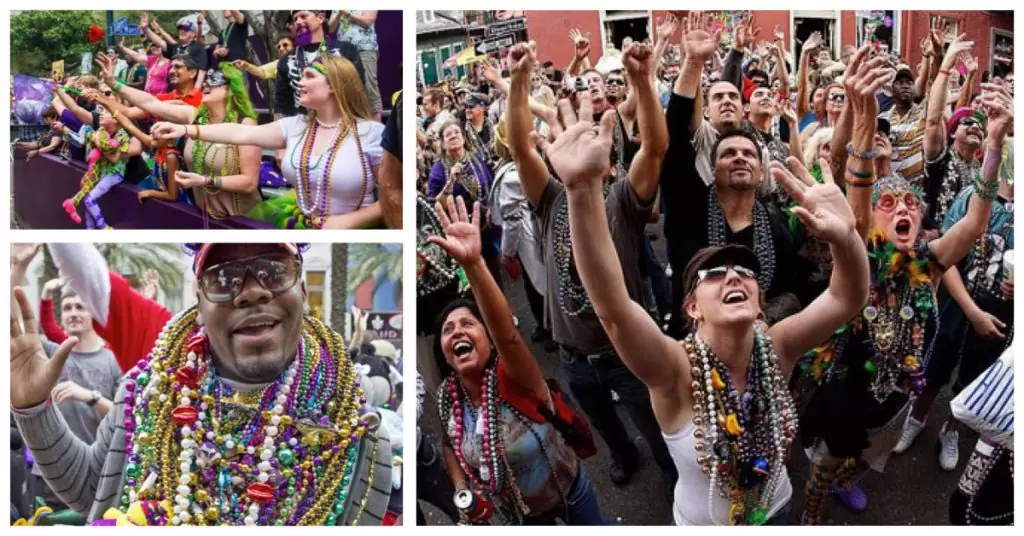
x: 196, y: 137
x: 209, y: 180
x: 947, y: 72
x: 986, y: 190
x: 118, y: 86
x: 867, y: 155
x: 860, y: 174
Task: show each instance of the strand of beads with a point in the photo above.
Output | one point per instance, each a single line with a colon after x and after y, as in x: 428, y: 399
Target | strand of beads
x: 573, y: 298
x: 764, y: 242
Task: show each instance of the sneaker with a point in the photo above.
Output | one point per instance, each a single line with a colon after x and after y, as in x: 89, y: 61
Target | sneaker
x: 621, y: 474
x: 911, y: 429
x: 853, y: 498
x: 540, y: 335
x: 949, y: 448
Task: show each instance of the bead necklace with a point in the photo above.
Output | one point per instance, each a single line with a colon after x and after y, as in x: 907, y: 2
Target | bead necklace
x: 434, y: 268
x: 495, y: 477
x: 479, y: 147
x: 900, y: 308
x: 764, y: 242
x: 199, y: 150
x: 970, y: 516
x: 958, y: 175
x: 741, y: 440
x: 281, y: 456
x: 573, y: 299
x: 469, y: 178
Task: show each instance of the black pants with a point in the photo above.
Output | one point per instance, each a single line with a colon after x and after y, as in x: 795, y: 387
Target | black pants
x: 993, y: 494
x: 534, y: 298
x: 591, y: 381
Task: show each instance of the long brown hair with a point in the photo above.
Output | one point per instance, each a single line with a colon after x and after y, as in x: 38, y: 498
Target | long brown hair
x: 349, y: 92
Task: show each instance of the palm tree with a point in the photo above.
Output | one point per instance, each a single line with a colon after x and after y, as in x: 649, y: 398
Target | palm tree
x: 131, y: 261
x: 339, y: 285
x: 382, y: 262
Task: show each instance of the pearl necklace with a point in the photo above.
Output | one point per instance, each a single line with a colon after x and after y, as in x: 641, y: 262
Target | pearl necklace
x: 434, y: 268
x: 573, y: 299
x: 741, y: 440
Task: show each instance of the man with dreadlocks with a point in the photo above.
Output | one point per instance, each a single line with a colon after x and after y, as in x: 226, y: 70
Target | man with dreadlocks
x: 245, y: 411
x: 875, y: 365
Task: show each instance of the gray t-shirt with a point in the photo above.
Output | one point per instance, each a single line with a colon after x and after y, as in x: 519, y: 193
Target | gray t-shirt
x: 93, y: 370
x: 627, y: 216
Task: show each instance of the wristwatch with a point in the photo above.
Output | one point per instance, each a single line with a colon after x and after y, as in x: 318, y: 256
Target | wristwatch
x: 96, y: 396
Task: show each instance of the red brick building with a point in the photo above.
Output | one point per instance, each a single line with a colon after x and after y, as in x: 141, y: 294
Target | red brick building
x: 986, y: 28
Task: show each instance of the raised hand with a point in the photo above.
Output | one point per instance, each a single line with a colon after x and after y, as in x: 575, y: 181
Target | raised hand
x: 927, y: 49
x: 823, y: 208
x: 780, y: 36
x: 937, y: 34
x: 745, y: 32
x: 151, y: 284
x: 866, y: 79
x: 970, y: 62
x: 22, y: 254
x: 998, y: 104
x: 581, y: 153
x: 489, y: 73
x: 581, y: 42
x: 813, y: 43
x: 144, y: 19
x: 639, y: 60
x: 33, y: 375
x: 668, y: 26
x: 958, y: 46
x: 106, y: 65
x: 462, y: 240
x: 700, y: 41
x: 521, y: 60
x: 51, y: 287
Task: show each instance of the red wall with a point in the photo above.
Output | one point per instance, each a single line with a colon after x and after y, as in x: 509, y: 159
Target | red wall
x: 550, y: 29
x: 976, y: 24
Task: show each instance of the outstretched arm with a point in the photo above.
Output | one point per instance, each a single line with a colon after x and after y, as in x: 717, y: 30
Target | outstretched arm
x: 532, y: 172
x: 463, y: 244
x: 935, y: 118
x: 267, y: 136
x: 862, y: 81
x: 954, y: 245
x: 646, y: 166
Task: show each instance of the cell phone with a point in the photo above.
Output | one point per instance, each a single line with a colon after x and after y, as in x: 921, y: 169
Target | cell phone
x: 580, y: 85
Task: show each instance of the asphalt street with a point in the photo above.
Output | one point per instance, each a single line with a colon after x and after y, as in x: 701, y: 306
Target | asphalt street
x: 914, y: 490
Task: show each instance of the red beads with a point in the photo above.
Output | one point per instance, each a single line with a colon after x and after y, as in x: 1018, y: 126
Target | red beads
x: 187, y: 377
x: 196, y: 343
x: 260, y: 492
x: 185, y: 415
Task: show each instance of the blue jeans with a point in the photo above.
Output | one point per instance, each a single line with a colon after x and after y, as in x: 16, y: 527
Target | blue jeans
x: 659, y: 281
x: 581, y: 506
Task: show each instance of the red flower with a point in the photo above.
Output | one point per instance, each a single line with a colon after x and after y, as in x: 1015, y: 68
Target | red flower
x: 95, y: 34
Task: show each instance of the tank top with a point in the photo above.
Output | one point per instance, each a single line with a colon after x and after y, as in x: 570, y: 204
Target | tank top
x: 156, y: 77
x: 690, y: 505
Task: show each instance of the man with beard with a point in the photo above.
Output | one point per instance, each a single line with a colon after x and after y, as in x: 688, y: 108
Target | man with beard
x: 950, y: 147
x: 310, y: 42
x: 182, y: 76
x: 701, y: 213
x: 186, y: 44
x: 588, y: 359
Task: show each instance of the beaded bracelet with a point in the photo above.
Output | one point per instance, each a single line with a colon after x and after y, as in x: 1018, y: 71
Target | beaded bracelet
x: 861, y: 183
x: 986, y: 190
x: 852, y: 151
x: 860, y: 174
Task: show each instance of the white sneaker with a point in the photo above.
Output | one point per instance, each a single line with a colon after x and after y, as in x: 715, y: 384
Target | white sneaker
x: 949, y: 448
x: 911, y: 429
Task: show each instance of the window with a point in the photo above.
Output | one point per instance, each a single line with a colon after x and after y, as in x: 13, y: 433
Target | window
x: 885, y: 23
x: 1001, y: 54
x: 461, y: 69
x: 315, y: 293
x: 424, y: 16
x: 445, y: 52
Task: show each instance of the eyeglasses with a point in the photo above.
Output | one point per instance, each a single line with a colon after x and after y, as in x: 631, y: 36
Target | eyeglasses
x: 888, y: 201
x: 615, y: 82
x: 837, y: 97
x: 719, y: 272
x: 223, y: 282
x: 969, y: 122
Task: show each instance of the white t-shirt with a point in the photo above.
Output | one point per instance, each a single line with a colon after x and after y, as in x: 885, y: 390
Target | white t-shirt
x: 346, y: 170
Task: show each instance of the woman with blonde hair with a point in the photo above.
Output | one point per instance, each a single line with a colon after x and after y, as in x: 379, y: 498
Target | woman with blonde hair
x: 332, y: 156
x: 223, y: 175
x: 818, y: 146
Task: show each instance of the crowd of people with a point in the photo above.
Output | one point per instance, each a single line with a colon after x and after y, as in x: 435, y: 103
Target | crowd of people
x: 244, y: 409
x: 175, y: 118
x: 839, y: 234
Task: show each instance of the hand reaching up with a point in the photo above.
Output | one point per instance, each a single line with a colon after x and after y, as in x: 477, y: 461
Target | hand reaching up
x: 462, y: 240
x: 823, y: 208
x: 700, y: 41
x: 581, y: 152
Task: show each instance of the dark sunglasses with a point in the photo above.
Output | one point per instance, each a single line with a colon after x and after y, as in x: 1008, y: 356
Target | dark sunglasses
x: 719, y: 272
x: 615, y: 82
x: 837, y: 97
x: 969, y: 122
x: 223, y: 282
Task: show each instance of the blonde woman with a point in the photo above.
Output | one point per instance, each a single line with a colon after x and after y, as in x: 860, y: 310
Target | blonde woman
x: 332, y: 157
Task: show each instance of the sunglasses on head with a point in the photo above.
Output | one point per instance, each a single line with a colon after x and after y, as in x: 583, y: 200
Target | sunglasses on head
x: 719, y: 272
x: 275, y: 272
x: 888, y: 201
x: 837, y: 97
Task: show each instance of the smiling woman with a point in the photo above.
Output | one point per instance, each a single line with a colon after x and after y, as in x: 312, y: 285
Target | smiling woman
x: 266, y: 411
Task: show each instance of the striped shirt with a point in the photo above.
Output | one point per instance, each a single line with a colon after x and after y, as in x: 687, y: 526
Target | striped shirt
x: 907, y: 136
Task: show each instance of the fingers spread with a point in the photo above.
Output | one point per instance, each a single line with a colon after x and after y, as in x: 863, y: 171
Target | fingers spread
x: 442, y: 215
x: 27, y: 314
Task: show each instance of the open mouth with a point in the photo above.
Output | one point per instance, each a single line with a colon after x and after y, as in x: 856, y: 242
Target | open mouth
x: 735, y: 297
x: 462, y: 348
x: 903, y: 227
x: 258, y: 329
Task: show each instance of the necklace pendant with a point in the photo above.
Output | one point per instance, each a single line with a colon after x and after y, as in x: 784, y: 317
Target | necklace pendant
x: 870, y: 313
x: 260, y: 492
x: 885, y: 336
x: 906, y: 312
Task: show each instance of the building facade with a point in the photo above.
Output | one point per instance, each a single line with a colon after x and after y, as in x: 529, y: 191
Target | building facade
x: 991, y: 31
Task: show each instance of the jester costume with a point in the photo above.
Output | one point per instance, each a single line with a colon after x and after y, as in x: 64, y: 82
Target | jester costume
x: 102, y: 175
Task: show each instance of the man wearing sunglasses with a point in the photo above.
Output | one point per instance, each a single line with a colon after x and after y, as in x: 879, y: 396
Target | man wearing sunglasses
x: 266, y: 387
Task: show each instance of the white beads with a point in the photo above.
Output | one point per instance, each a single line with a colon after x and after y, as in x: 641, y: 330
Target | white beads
x: 267, y: 454
x: 263, y: 477
x: 250, y: 450
x: 275, y: 420
x: 229, y: 444
x: 278, y: 409
x: 264, y: 466
x: 292, y: 442
x: 271, y: 431
x: 184, y: 490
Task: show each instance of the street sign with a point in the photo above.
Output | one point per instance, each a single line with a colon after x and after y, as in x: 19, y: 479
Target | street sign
x: 492, y: 45
x: 121, y: 27
x: 510, y: 26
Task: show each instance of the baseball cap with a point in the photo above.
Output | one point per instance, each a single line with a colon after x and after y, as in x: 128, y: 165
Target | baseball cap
x: 473, y: 101
x: 904, y: 71
x: 202, y: 252
x: 185, y: 24
x: 710, y: 257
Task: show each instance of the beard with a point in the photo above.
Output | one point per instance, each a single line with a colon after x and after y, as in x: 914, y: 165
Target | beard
x: 303, y: 37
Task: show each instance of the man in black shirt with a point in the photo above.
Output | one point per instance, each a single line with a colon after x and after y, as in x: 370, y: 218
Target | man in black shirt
x: 310, y: 41
x: 232, y: 39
